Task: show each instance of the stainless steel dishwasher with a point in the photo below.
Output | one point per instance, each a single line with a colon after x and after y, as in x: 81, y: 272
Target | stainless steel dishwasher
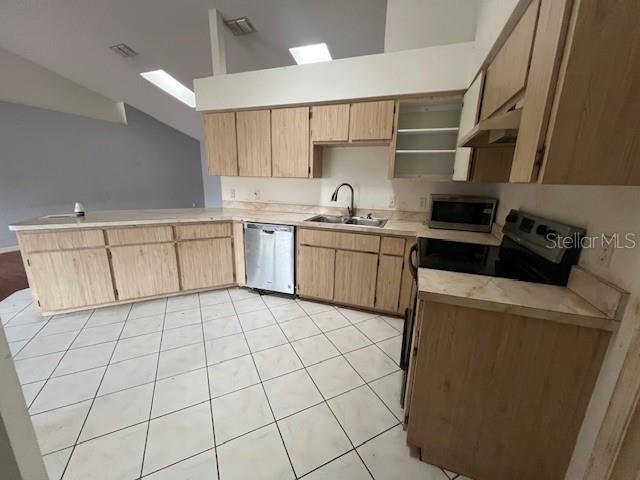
x: 269, y: 256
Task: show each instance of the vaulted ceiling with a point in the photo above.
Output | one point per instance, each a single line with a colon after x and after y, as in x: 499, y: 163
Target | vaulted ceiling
x: 71, y: 38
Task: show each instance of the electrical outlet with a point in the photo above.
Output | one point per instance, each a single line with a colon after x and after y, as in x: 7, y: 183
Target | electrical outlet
x: 256, y: 195
x: 232, y: 194
x: 392, y: 201
x: 423, y: 202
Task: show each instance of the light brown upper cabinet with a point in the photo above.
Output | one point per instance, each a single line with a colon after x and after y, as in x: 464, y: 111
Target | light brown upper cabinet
x: 507, y: 73
x: 254, y: 143
x: 330, y: 123
x: 562, y: 90
x: 290, y: 142
x: 370, y: 121
x: 220, y: 139
x: 581, y: 126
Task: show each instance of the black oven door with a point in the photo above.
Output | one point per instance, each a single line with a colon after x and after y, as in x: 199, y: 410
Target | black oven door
x: 409, y: 320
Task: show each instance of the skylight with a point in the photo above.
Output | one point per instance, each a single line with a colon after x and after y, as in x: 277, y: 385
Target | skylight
x: 311, y: 53
x: 170, y: 85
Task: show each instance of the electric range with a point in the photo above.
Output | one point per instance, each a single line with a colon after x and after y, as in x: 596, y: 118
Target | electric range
x: 533, y: 249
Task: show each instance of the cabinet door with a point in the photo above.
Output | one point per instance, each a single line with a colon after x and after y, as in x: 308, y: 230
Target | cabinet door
x: 290, y: 142
x: 330, y: 123
x: 388, y: 284
x: 145, y: 270
x: 316, y: 268
x: 371, y: 120
x: 468, y: 120
x: 205, y: 263
x: 254, y: 143
x: 71, y: 278
x: 507, y: 73
x: 355, y: 282
x: 220, y: 138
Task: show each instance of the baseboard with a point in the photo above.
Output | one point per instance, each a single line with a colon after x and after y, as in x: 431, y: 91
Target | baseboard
x: 13, y: 248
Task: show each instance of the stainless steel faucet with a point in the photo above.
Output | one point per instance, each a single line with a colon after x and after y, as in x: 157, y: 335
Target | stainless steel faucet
x: 334, y: 197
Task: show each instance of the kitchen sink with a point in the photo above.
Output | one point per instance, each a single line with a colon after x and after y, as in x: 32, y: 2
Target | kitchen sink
x: 367, y: 222
x: 363, y: 221
x: 327, y: 219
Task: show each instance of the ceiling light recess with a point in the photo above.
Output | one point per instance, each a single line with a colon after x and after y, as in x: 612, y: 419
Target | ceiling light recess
x: 311, y: 53
x: 170, y: 85
x: 240, y: 26
x: 124, y: 50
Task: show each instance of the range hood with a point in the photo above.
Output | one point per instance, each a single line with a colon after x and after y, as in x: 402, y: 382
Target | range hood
x: 496, y: 131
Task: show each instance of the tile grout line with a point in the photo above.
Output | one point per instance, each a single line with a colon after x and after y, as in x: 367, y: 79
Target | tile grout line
x: 362, y: 378
x: 264, y: 390
x: 250, y: 352
x: 153, y: 392
x: 328, y: 407
x: 64, y: 353
x: 210, y: 400
x: 75, y: 443
x: 358, y: 373
x: 330, y: 410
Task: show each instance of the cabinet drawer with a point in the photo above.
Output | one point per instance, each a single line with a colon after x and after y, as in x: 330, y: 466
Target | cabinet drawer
x: 203, y: 230
x: 65, y: 240
x: 356, y: 241
x: 138, y: 235
x: 392, y: 246
x: 320, y: 238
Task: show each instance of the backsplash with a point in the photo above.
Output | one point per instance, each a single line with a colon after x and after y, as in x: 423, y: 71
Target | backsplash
x: 363, y: 167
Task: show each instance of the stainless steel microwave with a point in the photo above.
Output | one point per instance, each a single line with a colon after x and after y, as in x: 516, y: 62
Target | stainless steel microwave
x: 461, y: 212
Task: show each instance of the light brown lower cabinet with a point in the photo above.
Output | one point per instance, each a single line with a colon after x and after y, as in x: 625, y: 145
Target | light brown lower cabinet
x: 316, y: 271
x: 389, y: 281
x: 71, y: 278
x: 145, y: 270
x: 355, y: 282
x: 206, y: 263
x: 494, y: 395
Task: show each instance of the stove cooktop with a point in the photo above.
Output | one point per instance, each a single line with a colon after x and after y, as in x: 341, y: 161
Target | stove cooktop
x: 530, y: 251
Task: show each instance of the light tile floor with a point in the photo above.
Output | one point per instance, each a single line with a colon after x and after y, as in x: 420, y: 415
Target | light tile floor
x: 219, y: 385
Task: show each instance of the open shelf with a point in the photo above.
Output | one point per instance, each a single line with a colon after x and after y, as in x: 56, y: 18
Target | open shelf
x: 428, y: 151
x: 425, y: 145
x: 426, y: 131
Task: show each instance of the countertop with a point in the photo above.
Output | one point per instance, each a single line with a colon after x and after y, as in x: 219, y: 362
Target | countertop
x: 536, y: 300
x: 119, y: 218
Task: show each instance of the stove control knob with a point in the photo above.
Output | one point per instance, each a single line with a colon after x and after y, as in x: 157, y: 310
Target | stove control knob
x: 511, y: 218
x: 541, y: 230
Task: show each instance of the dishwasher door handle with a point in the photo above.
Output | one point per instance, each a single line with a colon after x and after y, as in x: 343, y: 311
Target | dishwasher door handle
x: 270, y: 232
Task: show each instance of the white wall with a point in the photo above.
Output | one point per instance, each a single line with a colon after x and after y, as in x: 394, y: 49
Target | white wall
x: 27, y: 83
x: 606, y: 210
x: 387, y: 74
x: 426, y: 23
x: 364, y: 167
x: 491, y: 17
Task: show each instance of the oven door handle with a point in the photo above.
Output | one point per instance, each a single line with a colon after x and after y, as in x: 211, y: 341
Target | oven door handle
x: 413, y: 261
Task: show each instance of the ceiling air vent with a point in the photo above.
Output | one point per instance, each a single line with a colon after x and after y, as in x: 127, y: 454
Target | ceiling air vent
x: 124, y: 50
x: 240, y: 26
